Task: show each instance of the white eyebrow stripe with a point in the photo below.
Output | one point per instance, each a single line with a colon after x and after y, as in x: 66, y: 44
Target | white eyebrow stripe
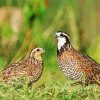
x: 58, y: 33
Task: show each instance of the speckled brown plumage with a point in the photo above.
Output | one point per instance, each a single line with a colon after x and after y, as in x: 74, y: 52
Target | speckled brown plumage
x: 75, y: 64
x: 30, y: 68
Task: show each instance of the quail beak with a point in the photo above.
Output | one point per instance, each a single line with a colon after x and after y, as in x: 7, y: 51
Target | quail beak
x: 43, y: 51
x: 55, y: 36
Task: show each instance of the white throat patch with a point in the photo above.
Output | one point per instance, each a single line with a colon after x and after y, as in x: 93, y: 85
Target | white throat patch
x: 61, y: 42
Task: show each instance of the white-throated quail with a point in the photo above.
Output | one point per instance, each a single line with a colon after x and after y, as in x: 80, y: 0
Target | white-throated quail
x: 74, y: 64
x: 30, y: 68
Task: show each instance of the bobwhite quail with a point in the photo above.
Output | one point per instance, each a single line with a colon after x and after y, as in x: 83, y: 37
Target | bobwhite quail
x: 74, y: 64
x: 30, y: 68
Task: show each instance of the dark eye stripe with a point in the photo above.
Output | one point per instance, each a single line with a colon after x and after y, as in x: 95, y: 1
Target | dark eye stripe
x: 62, y: 35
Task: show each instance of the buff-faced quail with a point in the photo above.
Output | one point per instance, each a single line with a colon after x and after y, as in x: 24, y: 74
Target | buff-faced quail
x: 31, y: 68
x: 74, y: 64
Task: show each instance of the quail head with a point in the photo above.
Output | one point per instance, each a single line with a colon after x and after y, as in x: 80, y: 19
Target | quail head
x: 74, y: 64
x: 31, y: 68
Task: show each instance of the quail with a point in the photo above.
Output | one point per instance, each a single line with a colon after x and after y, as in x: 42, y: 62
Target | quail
x: 30, y: 68
x: 74, y: 64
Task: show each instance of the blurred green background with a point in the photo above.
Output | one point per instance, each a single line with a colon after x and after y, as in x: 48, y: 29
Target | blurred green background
x: 26, y: 24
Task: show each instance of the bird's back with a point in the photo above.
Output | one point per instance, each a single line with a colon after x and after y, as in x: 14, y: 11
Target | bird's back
x: 78, y: 66
x: 27, y: 68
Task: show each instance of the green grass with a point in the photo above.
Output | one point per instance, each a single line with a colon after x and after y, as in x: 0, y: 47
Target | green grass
x: 54, y: 90
x: 79, y: 20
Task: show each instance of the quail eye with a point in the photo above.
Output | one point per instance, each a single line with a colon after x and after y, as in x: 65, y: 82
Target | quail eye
x: 38, y: 50
x: 61, y: 35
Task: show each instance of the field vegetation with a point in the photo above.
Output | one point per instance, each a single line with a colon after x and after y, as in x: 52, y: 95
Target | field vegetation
x: 26, y: 24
